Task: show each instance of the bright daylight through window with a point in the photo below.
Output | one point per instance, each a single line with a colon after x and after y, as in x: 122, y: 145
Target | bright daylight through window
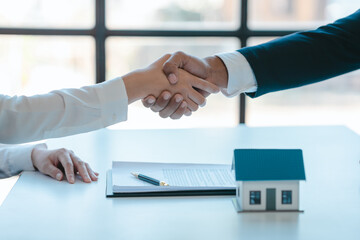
x: 52, y: 44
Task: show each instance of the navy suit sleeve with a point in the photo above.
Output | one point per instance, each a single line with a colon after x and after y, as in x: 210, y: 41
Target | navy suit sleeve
x: 306, y: 57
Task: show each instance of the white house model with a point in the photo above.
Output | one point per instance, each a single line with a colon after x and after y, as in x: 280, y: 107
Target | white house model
x: 268, y: 179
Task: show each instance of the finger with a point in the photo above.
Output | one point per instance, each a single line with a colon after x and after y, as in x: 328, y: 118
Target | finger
x: 192, y: 105
x: 173, y: 105
x: 93, y: 175
x: 202, y: 92
x: 188, y: 112
x: 66, y: 162
x: 53, y: 172
x: 180, y: 111
x: 81, y: 168
x: 204, y: 85
x: 149, y: 101
x: 161, y: 102
x: 197, y: 98
x: 191, y: 64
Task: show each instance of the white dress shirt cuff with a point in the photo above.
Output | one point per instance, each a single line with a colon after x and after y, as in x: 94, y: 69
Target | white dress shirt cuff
x: 241, y: 77
x: 113, y: 100
x: 19, y: 158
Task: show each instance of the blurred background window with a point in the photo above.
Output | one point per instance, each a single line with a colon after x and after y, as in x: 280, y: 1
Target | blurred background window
x: 173, y: 14
x: 47, y: 14
x: 297, y: 14
x: 46, y: 45
x: 38, y: 64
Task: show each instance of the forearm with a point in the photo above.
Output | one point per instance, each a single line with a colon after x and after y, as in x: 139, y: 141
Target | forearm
x: 62, y: 112
x: 306, y: 57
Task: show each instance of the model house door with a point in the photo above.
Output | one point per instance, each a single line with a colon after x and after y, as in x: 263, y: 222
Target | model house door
x: 270, y: 199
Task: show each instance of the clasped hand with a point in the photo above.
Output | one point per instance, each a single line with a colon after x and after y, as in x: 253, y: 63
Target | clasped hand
x: 204, y: 76
x: 152, y: 81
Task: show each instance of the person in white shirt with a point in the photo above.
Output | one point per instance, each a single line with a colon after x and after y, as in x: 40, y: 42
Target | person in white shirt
x: 72, y: 111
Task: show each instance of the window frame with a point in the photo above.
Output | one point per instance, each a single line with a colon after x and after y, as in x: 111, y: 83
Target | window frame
x: 255, y: 195
x: 287, y: 197
x: 100, y: 33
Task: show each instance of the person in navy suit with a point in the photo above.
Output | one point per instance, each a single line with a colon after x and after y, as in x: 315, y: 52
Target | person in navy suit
x: 291, y: 61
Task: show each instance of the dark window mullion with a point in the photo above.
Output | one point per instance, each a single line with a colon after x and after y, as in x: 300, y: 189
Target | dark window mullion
x: 244, y: 31
x: 46, y: 31
x: 172, y: 33
x: 100, y: 37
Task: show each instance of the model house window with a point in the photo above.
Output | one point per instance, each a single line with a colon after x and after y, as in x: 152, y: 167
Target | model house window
x: 286, y: 197
x: 255, y: 197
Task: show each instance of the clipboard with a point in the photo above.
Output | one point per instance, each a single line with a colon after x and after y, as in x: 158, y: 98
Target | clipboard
x: 111, y: 194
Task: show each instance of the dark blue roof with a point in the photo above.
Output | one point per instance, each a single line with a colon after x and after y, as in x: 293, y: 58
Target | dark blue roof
x: 268, y: 164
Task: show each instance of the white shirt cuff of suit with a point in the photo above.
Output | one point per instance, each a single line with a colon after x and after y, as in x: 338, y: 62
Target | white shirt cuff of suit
x: 241, y: 77
x: 113, y: 100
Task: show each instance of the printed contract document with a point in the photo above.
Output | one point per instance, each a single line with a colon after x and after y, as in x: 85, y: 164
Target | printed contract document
x: 180, y: 177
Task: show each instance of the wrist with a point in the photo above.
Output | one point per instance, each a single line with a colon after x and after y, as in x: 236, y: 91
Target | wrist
x: 134, y: 85
x: 217, y: 71
x: 36, y: 152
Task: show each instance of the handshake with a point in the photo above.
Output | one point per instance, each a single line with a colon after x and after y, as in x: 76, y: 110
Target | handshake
x: 176, y: 84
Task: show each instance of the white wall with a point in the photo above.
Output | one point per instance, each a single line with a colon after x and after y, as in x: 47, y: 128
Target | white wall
x: 239, y: 194
x: 246, y: 187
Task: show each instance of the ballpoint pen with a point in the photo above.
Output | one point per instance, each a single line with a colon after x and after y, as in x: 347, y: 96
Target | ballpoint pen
x: 149, y: 179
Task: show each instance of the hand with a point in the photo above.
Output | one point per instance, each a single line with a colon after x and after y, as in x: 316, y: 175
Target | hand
x: 165, y: 109
x: 152, y: 81
x: 211, y: 69
x: 49, y: 162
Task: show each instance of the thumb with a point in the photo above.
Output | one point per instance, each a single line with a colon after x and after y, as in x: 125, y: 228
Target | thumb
x: 171, y: 71
x: 53, y: 172
x: 180, y: 60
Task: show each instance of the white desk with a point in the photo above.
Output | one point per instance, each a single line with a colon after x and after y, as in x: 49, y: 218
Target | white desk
x: 39, y: 207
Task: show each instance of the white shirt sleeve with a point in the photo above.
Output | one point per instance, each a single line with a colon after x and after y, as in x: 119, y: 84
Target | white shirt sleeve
x: 62, y: 112
x: 241, y: 77
x: 14, y: 159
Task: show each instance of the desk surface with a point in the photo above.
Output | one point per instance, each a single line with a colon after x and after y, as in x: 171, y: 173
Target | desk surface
x: 39, y: 207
